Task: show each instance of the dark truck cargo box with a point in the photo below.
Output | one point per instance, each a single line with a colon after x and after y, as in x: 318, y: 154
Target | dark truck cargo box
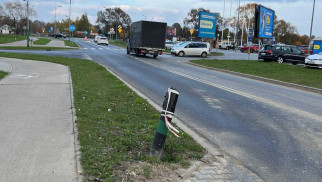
x: 148, y: 34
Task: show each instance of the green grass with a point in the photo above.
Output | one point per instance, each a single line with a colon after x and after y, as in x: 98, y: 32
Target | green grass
x: 119, y: 43
x: 216, y: 54
x: 112, y: 139
x: 11, y: 38
x: 166, y: 50
x: 2, y: 74
x: 32, y: 48
x: 288, y: 73
x: 42, y: 41
x: 70, y: 43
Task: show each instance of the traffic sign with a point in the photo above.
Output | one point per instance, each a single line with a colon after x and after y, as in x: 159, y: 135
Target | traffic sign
x: 24, y: 27
x: 85, y: 32
x: 120, y: 30
x: 49, y: 31
x: 191, y: 31
x: 51, y: 28
x: 43, y: 29
x: 72, y: 28
x: 120, y: 26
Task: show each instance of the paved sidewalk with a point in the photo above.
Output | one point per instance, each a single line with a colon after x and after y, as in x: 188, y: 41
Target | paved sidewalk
x: 36, y: 119
x: 53, y: 43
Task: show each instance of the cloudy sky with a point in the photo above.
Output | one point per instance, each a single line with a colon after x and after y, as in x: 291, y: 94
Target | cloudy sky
x: 298, y: 12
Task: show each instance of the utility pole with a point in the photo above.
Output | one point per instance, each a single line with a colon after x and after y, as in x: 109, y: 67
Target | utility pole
x: 312, y: 23
x: 231, y: 4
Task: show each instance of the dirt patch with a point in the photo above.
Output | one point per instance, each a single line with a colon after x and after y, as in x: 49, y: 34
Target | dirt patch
x: 148, y: 172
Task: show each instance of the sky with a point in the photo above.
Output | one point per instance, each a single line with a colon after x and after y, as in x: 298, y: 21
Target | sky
x: 297, y: 12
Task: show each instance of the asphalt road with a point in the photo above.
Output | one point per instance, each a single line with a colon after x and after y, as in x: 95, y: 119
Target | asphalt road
x: 273, y: 130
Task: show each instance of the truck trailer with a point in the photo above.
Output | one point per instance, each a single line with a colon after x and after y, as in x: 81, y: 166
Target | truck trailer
x: 147, y: 37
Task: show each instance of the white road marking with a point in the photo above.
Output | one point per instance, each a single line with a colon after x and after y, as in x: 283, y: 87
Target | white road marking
x: 100, y: 48
x: 85, y: 48
x: 92, y: 48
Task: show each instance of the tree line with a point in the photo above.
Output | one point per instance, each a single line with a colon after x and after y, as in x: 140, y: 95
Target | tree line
x: 14, y: 14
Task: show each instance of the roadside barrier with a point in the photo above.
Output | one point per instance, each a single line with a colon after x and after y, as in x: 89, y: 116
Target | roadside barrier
x: 164, y: 126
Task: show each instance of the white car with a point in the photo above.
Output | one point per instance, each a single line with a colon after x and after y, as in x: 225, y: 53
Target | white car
x: 227, y: 45
x: 314, y: 60
x: 96, y: 38
x: 170, y: 45
x: 192, y: 49
x: 102, y: 40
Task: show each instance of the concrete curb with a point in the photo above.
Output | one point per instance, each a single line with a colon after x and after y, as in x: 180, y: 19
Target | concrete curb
x: 79, y: 169
x: 277, y: 82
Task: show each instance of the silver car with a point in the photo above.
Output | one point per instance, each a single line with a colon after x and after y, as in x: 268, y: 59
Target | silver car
x: 192, y: 49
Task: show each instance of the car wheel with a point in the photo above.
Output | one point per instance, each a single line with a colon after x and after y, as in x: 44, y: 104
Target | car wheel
x: 280, y: 60
x: 266, y: 60
x: 227, y: 48
x: 181, y: 54
x: 204, y: 54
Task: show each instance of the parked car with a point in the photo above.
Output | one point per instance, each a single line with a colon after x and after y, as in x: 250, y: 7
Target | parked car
x: 96, y: 38
x: 102, y: 40
x: 314, y: 60
x: 170, y: 45
x: 282, y: 53
x: 192, y: 49
x: 306, y: 49
x: 253, y: 48
x: 227, y: 45
x: 59, y: 35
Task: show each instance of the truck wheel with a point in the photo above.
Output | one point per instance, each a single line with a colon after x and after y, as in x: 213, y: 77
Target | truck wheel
x: 227, y: 48
x: 294, y: 63
x: 127, y: 51
x: 144, y: 54
x: 204, y: 54
x: 137, y: 52
x: 155, y: 56
x: 181, y: 54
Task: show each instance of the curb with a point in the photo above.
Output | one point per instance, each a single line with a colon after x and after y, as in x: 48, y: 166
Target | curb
x: 268, y: 80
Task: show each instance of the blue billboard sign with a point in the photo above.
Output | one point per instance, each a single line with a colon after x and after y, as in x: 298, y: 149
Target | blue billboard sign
x: 266, y: 22
x: 317, y: 46
x: 207, y: 25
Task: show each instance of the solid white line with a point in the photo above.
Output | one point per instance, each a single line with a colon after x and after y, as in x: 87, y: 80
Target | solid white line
x: 92, y: 48
x: 100, y: 48
x: 85, y: 48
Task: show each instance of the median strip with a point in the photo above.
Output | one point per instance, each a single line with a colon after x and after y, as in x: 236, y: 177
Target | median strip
x: 116, y: 127
x: 283, y: 74
x: 42, y: 41
x: 2, y: 74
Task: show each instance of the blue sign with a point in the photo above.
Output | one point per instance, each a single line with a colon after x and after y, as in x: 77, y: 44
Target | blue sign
x: 85, y: 32
x: 72, y: 28
x: 251, y: 32
x: 317, y: 46
x: 51, y: 28
x: 266, y: 22
x: 207, y: 25
x: 250, y: 39
x: 49, y: 31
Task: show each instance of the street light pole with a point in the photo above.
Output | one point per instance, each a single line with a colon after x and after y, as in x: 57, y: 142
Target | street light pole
x: 312, y: 23
x: 237, y: 25
x: 70, y: 8
x: 222, y: 26
x: 55, y: 18
x: 27, y: 22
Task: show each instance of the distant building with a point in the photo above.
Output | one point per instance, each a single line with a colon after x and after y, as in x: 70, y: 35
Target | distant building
x: 5, y: 29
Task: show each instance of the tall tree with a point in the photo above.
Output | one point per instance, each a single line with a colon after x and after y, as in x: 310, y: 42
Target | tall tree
x: 113, y: 17
x: 83, y: 23
x: 178, y: 28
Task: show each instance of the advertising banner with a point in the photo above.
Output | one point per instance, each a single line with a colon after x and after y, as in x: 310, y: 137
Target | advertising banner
x: 171, y: 31
x: 207, y: 25
x: 266, y: 22
x: 317, y: 46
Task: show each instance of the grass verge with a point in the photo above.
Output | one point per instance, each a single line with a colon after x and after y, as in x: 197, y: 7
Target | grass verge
x: 288, y: 73
x: 70, y: 43
x: 11, y: 38
x: 42, y: 41
x: 216, y: 54
x: 116, y: 126
x: 2, y: 74
x: 32, y: 48
x: 120, y: 43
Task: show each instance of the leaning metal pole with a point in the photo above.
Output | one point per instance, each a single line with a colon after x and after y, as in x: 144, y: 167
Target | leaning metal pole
x: 312, y: 23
